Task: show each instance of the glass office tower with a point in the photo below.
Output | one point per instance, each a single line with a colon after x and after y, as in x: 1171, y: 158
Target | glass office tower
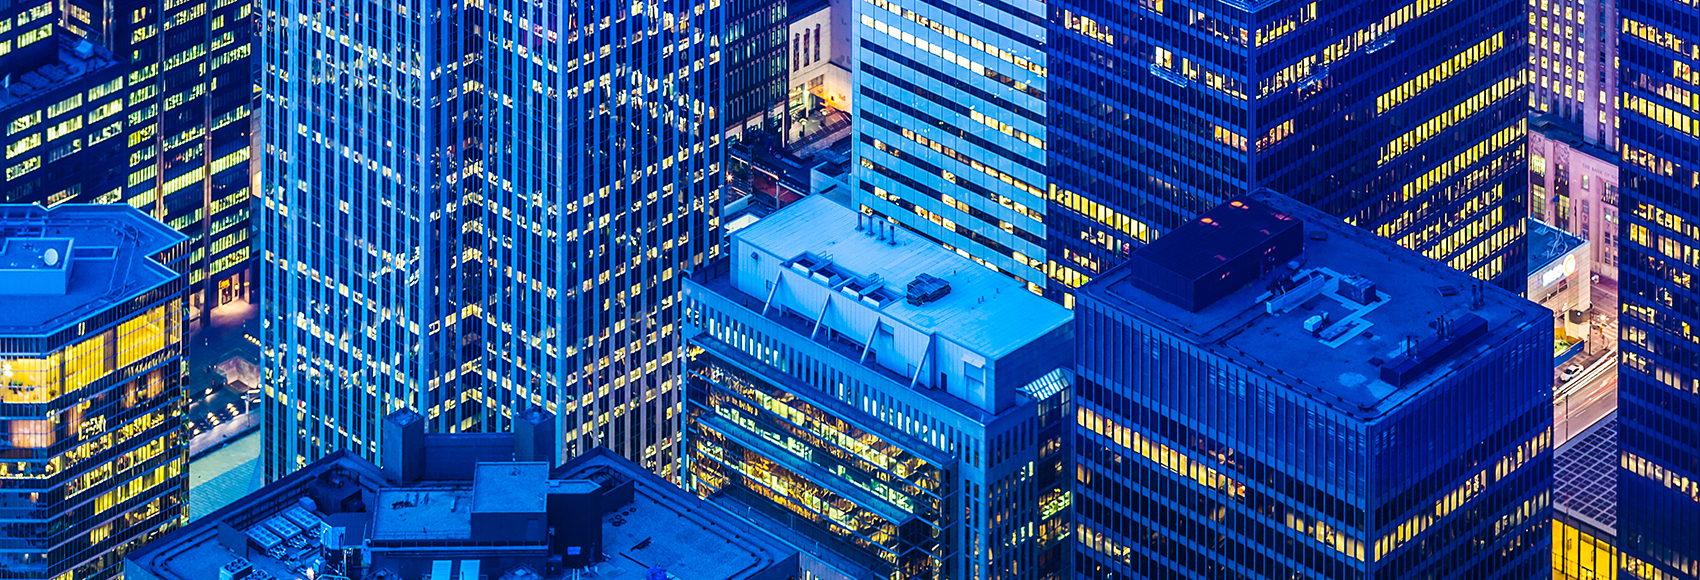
x: 1267, y: 392
x: 1405, y: 118
x: 1659, y: 378
x: 474, y: 209
x: 91, y: 395
x: 890, y: 402
x: 189, y: 90
x: 950, y: 126
x: 756, y: 64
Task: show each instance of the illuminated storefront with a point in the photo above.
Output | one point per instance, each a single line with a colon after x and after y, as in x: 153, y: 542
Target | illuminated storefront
x: 1560, y: 274
x: 91, y: 438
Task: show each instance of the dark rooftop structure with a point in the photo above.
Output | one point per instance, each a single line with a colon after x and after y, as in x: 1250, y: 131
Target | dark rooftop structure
x: 1216, y: 254
x: 60, y: 266
x: 1351, y: 319
x: 598, y: 516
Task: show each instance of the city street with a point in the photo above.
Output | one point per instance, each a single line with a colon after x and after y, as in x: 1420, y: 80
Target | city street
x: 1592, y: 394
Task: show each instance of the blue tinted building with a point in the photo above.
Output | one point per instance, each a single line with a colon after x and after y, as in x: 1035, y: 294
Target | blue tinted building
x: 1267, y: 392
x: 917, y: 430
x: 474, y: 224
x: 1659, y: 378
x: 92, y: 304
x: 1405, y: 118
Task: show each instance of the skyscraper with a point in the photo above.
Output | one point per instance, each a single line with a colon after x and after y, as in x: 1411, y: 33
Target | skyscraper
x: 1059, y: 153
x: 1266, y: 392
x: 189, y: 88
x: 61, y: 111
x: 1403, y: 118
x: 756, y: 50
x: 950, y: 126
x: 1659, y: 378
x: 91, y: 327
x: 1573, y: 65
x: 891, y: 398
x: 470, y: 225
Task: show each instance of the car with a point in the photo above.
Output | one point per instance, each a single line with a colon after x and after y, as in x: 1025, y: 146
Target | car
x: 1569, y: 372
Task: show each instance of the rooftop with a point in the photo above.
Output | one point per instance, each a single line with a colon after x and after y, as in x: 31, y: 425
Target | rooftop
x: 509, y: 487
x: 1585, y: 475
x: 101, y: 255
x: 424, y: 513
x: 1354, y: 322
x: 666, y: 527
x: 77, y: 59
x: 986, y: 312
x: 1548, y: 244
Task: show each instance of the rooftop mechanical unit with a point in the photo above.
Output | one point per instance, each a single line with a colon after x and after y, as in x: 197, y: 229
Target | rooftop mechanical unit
x: 927, y: 288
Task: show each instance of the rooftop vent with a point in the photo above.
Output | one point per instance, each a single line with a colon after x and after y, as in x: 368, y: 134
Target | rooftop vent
x: 1359, y: 289
x: 927, y: 288
x: 237, y: 569
x: 1419, y: 358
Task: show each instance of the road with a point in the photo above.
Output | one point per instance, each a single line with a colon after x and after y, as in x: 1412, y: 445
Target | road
x: 1584, y: 400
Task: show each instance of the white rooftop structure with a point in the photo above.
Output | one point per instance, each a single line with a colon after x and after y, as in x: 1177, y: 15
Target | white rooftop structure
x: 915, y: 308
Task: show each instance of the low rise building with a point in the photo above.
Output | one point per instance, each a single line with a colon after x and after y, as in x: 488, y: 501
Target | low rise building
x: 1560, y: 278
x: 473, y: 506
x: 891, y: 399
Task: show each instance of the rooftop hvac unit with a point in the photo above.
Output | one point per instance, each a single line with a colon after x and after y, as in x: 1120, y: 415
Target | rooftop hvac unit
x: 238, y: 569
x: 1359, y: 289
x: 926, y: 288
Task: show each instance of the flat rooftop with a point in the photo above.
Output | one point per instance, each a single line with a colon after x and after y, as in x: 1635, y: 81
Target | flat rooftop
x: 666, y: 527
x: 110, y: 261
x: 194, y: 552
x: 1548, y: 244
x: 985, y: 311
x: 423, y: 513
x: 77, y: 59
x: 1340, y: 366
x: 509, y: 487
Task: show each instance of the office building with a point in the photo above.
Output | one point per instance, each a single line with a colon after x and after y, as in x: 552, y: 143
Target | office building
x: 1573, y: 65
x: 755, y: 70
x: 1659, y: 375
x: 91, y: 331
x: 949, y: 108
x: 492, y: 515
x: 188, y: 86
x: 818, y: 102
x: 478, y: 228
x: 1151, y: 113
x: 1584, y: 503
x: 1268, y: 392
x: 890, y: 398
x: 1403, y: 118
x: 61, y: 108
x: 1573, y: 185
x: 1560, y: 280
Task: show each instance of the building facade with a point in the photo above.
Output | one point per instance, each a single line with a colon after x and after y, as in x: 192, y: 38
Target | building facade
x: 1659, y: 375
x: 472, y: 226
x: 64, y: 131
x: 756, y: 49
x: 93, y: 302
x: 1404, y: 118
x: 1261, y: 392
x: 949, y: 107
x: 189, y: 91
x: 915, y: 430
x: 1573, y: 185
x: 1573, y: 65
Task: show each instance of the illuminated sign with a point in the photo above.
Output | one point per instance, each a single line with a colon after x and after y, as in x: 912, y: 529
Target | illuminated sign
x: 1557, y: 272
